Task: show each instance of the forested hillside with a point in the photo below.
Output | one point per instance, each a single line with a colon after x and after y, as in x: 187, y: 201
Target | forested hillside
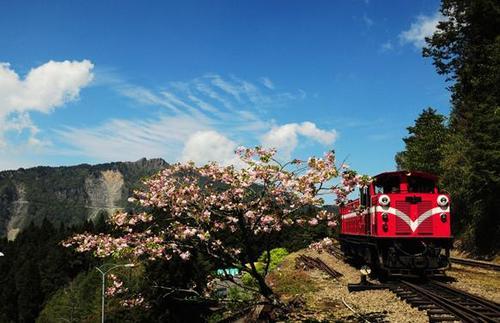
x: 68, y: 195
x: 465, y: 151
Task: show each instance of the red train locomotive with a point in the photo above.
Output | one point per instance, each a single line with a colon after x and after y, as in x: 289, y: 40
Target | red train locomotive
x: 400, y: 225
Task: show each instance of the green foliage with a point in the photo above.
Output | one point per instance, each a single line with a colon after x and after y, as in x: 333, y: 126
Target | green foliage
x: 34, y: 267
x: 37, y: 274
x: 292, y: 282
x: 248, y: 280
x: 294, y: 238
x: 237, y: 295
x: 80, y: 301
x: 424, y: 146
x: 61, y: 194
x: 466, y: 48
x: 274, y: 258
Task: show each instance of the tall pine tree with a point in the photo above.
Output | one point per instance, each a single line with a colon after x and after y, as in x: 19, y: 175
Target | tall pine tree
x: 466, y: 48
x: 424, y: 146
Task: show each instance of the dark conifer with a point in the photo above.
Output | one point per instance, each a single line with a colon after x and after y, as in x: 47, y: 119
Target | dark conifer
x: 466, y: 48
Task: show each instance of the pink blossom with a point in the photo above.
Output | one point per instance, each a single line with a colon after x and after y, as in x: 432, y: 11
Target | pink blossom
x: 185, y: 255
x: 332, y: 224
x: 182, y: 213
x: 313, y: 221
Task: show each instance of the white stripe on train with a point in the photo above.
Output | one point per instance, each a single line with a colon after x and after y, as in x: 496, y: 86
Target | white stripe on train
x: 412, y: 224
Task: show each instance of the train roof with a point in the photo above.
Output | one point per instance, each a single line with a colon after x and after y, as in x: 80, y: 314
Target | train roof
x: 406, y: 173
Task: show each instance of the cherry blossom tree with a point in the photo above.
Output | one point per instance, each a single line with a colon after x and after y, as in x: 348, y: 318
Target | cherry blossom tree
x: 224, y: 211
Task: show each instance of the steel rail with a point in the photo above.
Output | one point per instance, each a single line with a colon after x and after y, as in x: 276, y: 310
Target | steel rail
x: 459, y: 304
x: 319, y: 264
x: 476, y: 263
x: 460, y: 293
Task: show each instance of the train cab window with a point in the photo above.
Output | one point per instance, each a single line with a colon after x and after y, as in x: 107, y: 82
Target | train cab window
x: 420, y: 185
x: 388, y: 185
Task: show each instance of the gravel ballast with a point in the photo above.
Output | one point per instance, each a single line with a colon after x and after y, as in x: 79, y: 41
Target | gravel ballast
x: 331, y: 301
x: 325, y: 299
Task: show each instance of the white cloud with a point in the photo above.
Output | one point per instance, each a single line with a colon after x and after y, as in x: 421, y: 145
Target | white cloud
x: 200, y: 123
x: 201, y: 106
x: 205, y: 146
x: 191, y: 120
x: 44, y: 88
x: 285, y: 137
x: 120, y: 139
x: 197, y: 119
x: 423, y: 27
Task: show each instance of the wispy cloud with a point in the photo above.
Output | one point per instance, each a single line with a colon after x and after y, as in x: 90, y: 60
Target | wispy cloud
x: 367, y: 20
x: 120, y: 139
x: 213, y: 95
x: 423, y: 27
x: 201, y: 119
x: 386, y: 47
x: 267, y: 83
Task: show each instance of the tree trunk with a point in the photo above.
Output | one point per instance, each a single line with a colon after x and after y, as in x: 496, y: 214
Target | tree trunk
x: 265, y: 290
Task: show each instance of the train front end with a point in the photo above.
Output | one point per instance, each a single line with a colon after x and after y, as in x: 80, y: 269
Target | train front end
x: 406, y: 225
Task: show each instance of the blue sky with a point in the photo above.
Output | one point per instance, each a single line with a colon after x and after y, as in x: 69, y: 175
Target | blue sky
x: 97, y: 81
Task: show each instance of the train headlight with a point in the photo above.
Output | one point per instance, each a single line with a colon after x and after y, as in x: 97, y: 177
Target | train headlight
x: 365, y: 270
x: 384, y: 200
x: 443, y: 200
x: 385, y: 217
x: 385, y: 227
x: 443, y: 217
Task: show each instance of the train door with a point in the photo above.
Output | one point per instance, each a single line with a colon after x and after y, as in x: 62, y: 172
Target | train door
x: 365, y: 201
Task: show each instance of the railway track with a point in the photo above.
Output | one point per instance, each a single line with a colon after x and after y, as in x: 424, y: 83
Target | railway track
x: 447, y: 304
x: 475, y: 263
x: 336, y: 252
x: 310, y: 262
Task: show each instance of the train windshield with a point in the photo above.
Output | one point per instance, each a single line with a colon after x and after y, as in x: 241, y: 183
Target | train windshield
x: 388, y: 185
x: 420, y: 185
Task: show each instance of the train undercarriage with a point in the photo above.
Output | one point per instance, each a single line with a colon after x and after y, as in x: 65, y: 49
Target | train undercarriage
x: 399, y: 257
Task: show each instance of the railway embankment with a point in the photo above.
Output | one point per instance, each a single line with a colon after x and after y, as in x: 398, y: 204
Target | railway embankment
x: 321, y: 298
x: 317, y: 296
x: 476, y: 280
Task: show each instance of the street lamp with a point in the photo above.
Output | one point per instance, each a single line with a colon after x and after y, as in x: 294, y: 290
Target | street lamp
x: 1, y: 254
x: 103, y: 273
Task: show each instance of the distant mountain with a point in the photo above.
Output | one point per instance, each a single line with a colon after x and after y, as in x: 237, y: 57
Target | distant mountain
x: 68, y: 195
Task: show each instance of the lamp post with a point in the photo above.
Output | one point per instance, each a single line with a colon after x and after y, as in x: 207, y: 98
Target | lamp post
x: 103, y: 273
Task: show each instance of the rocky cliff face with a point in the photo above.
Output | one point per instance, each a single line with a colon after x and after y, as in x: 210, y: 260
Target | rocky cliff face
x: 68, y: 195
x: 105, y: 191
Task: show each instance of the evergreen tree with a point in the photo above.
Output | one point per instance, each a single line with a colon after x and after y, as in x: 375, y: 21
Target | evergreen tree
x: 424, y: 147
x: 30, y: 295
x: 466, y: 48
x: 34, y: 267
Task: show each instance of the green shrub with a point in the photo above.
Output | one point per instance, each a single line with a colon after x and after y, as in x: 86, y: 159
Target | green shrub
x: 277, y: 256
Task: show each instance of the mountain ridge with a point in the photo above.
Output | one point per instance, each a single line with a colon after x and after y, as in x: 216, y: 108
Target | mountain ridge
x: 68, y: 195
